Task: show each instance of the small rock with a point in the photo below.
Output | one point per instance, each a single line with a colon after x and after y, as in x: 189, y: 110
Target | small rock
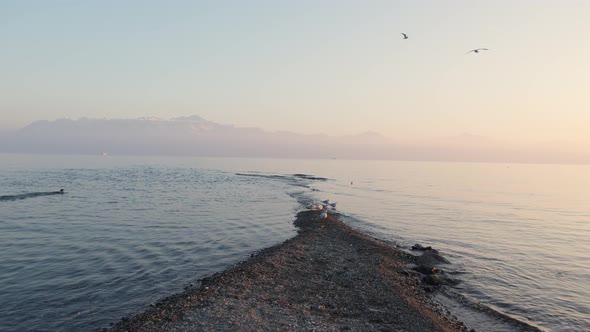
x: 430, y: 258
x: 426, y: 269
x: 418, y: 246
x: 438, y: 280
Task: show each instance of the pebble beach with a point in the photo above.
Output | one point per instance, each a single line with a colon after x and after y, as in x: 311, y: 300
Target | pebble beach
x: 328, y: 277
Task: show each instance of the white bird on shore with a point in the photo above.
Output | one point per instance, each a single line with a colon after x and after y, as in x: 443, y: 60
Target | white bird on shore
x: 324, y: 214
x: 315, y: 207
x: 477, y: 50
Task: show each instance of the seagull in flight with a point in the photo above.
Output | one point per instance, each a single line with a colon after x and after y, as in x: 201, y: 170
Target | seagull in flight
x: 477, y: 50
x: 405, y: 36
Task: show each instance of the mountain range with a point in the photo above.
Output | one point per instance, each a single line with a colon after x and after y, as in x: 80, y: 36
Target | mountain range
x: 195, y: 136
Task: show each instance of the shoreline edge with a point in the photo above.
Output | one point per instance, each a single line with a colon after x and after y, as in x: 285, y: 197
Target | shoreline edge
x: 328, y: 277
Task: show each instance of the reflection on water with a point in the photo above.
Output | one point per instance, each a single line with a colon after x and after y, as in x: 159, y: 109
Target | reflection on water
x: 131, y: 230
x: 121, y: 238
x: 519, y: 231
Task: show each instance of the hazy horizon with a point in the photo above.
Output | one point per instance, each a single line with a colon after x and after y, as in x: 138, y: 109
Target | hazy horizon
x: 336, y: 68
x: 196, y: 136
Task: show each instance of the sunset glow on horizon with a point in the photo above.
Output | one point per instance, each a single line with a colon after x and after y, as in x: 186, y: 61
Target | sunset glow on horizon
x: 330, y: 67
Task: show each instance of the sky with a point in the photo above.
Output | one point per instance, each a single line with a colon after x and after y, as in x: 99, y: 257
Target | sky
x: 335, y: 67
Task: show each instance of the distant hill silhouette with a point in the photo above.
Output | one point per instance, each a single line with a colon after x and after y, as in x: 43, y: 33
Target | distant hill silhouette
x: 195, y: 136
x: 178, y: 136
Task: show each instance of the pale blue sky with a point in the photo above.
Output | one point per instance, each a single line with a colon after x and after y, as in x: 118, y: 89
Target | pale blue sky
x: 334, y: 67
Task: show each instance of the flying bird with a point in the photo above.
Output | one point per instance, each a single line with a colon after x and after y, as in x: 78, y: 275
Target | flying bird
x: 477, y: 50
x: 405, y: 36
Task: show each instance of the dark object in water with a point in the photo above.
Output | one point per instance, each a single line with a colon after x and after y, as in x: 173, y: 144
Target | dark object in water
x: 431, y: 258
x: 286, y: 177
x: 30, y: 195
x: 418, y: 246
x: 309, y: 177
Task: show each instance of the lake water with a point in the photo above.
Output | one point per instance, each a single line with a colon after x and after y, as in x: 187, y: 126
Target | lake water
x: 131, y: 230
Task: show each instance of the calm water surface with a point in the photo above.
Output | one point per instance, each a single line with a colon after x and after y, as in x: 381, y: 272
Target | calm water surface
x: 520, y: 233
x: 131, y: 230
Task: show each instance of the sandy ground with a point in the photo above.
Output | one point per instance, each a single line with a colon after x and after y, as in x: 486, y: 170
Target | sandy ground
x: 327, y: 278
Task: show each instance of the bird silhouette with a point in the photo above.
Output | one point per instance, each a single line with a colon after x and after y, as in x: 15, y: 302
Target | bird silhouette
x: 477, y: 50
x: 405, y: 36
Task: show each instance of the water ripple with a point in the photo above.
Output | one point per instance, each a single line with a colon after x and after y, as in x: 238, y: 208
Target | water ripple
x: 122, y: 238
